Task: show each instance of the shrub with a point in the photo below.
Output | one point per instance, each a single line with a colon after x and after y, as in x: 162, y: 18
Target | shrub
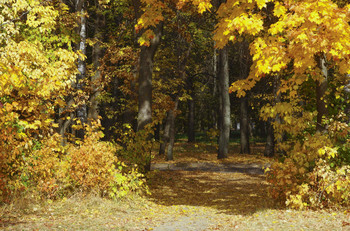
x: 92, y: 163
x: 311, y: 177
x: 89, y: 165
x: 313, y: 172
x: 324, y: 188
x: 46, y: 167
x: 137, y: 147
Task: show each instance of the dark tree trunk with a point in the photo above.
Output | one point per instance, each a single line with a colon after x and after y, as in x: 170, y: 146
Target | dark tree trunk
x: 166, y: 134
x: 245, y: 62
x: 244, y: 115
x: 97, y: 53
x: 145, y: 81
x: 169, y: 154
x: 191, y: 130
x: 191, y: 115
x: 278, y: 121
x: 144, y: 116
x: 321, y: 88
x: 270, y: 140
x: 215, y: 91
x: 224, y: 135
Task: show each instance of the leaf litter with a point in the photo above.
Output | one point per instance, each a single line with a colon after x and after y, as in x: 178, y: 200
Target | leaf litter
x: 180, y: 200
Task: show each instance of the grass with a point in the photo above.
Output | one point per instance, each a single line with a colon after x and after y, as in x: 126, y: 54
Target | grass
x: 179, y: 199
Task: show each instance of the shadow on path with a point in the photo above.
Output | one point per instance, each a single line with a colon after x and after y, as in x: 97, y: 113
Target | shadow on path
x: 228, y: 192
x: 211, y: 167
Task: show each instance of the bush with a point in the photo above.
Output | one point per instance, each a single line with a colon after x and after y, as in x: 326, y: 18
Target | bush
x: 89, y: 165
x: 92, y: 163
x: 137, y: 147
x: 314, y: 171
x: 46, y: 167
x: 324, y: 188
x: 312, y: 176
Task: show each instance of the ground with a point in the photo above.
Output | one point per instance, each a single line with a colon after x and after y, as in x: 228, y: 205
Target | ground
x: 216, y: 198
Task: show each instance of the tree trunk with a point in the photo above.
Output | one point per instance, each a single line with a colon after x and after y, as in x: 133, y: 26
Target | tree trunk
x: 215, y: 90
x: 245, y: 147
x: 245, y: 62
x: 190, y: 129
x: 81, y: 111
x: 145, y: 80
x: 169, y: 154
x: 93, y: 111
x: 270, y: 140
x: 144, y: 116
x: 166, y: 135
x: 224, y: 135
x: 64, y: 124
x: 321, y: 88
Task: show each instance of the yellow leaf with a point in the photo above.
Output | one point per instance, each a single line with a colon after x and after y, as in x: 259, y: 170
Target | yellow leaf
x: 279, y: 10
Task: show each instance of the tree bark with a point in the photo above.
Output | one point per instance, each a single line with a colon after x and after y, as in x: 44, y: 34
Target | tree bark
x: 166, y: 135
x: 245, y: 63
x: 81, y: 111
x: 224, y: 135
x: 170, y: 155
x: 321, y: 88
x: 215, y: 90
x: 244, y: 115
x: 145, y: 80
x: 191, y: 114
x: 270, y: 140
x: 93, y: 111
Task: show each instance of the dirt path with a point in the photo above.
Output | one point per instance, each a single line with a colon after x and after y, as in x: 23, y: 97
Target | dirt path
x: 227, y: 197
x: 219, y: 189
x: 253, y: 168
x: 193, y: 193
x: 180, y: 200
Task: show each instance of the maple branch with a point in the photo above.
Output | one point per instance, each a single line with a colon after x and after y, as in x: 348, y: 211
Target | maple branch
x: 324, y: 189
x: 23, y: 14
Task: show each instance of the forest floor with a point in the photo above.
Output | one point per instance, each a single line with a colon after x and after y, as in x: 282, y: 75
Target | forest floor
x: 206, y: 194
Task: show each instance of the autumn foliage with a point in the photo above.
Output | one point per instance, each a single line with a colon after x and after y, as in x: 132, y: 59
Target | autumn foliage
x: 37, y: 71
x: 300, y: 48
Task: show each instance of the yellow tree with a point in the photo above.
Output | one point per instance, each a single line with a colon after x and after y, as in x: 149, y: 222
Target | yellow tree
x: 36, y: 66
x: 150, y: 14
x: 309, y: 38
x: 308, y: 47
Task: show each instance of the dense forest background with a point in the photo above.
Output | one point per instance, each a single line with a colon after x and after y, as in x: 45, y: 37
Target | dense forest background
x: 89, y: 89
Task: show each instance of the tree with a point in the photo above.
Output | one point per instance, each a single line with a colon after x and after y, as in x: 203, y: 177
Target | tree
x: 225, y: 115
x: 81, y: 111
x: 37, y: 66
x: 244, y: 63
x: 97, y: 53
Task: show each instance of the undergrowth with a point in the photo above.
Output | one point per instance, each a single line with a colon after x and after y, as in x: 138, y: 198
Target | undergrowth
x: 51, y: 170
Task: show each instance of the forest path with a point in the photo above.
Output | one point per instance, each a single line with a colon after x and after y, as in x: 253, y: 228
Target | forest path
x: 194, y: 192
x: 216, y: 200
x: 252, y: 168
x: 205, y: 187
x: 206, y: 199
x: 197, y: 192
